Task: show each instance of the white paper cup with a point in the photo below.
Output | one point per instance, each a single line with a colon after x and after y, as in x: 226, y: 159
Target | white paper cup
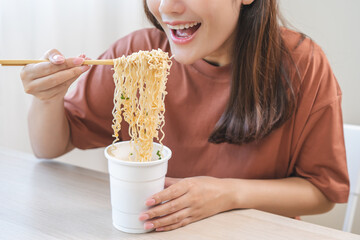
x: 132, y: 183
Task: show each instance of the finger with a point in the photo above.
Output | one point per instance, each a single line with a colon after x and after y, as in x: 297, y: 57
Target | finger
x: 170, y: 193
x: 170, y: 181
x: 34, y: 71
x: 84, y: 56
x: 54, y: 56
x: 54, y: 80
x: 55, y: 91
x: 182, y: 223
x: 165, y: 209
x: 171, y: 219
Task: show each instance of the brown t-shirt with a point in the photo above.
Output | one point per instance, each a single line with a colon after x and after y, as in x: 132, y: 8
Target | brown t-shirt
x: 309, y: 145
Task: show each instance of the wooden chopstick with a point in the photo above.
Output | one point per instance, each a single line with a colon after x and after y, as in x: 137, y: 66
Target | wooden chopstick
x: 23, y: 62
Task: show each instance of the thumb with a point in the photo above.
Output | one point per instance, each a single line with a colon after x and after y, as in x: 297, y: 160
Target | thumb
x: 54, y: 56
x: 170, y: 181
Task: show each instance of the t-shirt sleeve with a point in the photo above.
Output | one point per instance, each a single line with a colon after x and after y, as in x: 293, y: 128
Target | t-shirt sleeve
x: 88, y: 108
x: 322, y: 159
x: 320, y: 150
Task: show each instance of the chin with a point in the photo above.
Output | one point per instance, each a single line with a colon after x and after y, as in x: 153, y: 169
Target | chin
x: 184, y: 59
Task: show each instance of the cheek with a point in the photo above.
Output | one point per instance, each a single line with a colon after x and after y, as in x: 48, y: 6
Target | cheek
x: 225, y: 21
x: 153, y: 6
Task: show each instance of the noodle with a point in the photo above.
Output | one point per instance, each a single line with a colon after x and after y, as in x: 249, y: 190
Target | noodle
x: 140, y: 82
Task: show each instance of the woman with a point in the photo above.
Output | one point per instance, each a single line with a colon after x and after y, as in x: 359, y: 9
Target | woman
x: 253, y: 112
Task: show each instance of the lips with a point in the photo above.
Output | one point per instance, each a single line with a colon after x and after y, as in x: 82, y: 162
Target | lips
x: 183, y: 32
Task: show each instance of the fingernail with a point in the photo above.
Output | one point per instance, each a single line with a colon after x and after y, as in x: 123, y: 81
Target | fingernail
x: 78, y: 61
x: 150, y: 202
x: 58, y: 58
x: 84, y: 68
x: 160, y: 229
x: 144, y: 217
x: 148, y: 226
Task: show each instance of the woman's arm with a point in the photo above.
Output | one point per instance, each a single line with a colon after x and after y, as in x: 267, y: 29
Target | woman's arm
x: 48, y: 82
x: 48, y: 128
x: 192, y: 199
x: 288, y: 196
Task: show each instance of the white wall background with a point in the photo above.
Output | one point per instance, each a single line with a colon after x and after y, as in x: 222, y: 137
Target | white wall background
x: 29, y: 28
x: 335, y: 26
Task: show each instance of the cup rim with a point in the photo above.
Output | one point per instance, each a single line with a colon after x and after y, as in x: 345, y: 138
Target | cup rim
x: 123, y: 162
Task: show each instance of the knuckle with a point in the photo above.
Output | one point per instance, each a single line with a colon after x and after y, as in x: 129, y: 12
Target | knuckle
x: 156, y: 212
x: 67, y: 84
x: 156, y: 223
x: 172, y: 206
x: 76, y: 72
x: 176, y: 218
x: 173, y: 191
x: 157, y: 199
x: 184, y: 222
x: 152, y: 214
x: 54, y: 80
x: 28, y: 90
x: 189, y: 183
x: 66, y: 65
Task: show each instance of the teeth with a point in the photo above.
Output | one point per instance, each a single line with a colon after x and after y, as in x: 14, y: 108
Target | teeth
x: 182, y: 26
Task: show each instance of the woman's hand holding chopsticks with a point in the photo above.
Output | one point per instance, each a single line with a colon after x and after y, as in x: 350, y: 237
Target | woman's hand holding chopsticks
x: 48, y: 80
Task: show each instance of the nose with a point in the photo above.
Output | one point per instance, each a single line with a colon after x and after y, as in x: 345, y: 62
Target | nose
x: 171, y: 7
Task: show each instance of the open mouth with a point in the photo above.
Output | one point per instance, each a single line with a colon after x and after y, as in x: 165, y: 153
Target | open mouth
x: 184, y: 31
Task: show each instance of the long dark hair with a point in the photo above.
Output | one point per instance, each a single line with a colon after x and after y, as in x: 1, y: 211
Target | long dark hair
x: 262, y: 95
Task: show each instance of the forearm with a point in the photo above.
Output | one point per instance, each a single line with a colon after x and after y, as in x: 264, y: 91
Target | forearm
x: 48, y: 128
x: 288, y: 196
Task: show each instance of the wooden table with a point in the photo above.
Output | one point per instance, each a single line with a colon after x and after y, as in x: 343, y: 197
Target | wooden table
x: 43, y: 199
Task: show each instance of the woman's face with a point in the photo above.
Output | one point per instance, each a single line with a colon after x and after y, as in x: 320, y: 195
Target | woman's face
x: 198, y: 28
